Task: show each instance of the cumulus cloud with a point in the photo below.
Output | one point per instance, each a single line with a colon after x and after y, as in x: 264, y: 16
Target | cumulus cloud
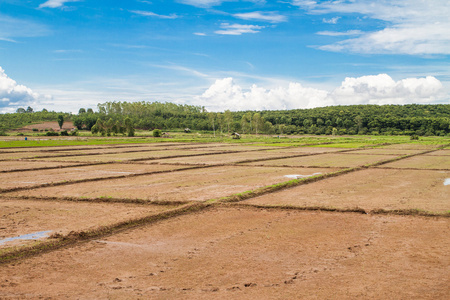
x: 378, y: 89
x: 13, y: 95
x: 238, y: 29
x: 415, y: 27
x: 55, y: 3
x: 331, y: 21
x: 336, y: 33
x: 271, y: 17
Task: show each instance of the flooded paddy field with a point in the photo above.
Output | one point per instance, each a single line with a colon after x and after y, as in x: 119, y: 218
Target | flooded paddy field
x: 234, y: 221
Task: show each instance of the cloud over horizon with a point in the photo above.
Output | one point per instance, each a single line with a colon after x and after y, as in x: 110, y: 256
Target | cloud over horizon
x: 13, y: 95
x: 376, y: 89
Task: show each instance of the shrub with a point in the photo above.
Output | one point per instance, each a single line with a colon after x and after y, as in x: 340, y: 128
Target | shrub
x: 35, y: 129
x: 414, y: 137
x: 157, y: 133
x: 64, y: 133
x: 52, y: 133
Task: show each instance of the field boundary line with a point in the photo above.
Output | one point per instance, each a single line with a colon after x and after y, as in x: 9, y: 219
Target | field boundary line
x: 106, y: 200
x: 358, y: 210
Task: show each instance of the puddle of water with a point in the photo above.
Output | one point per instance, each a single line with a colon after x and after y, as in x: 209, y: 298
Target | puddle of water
x: 29, y: 236
x: 298, y: 176
x: 447, y: 181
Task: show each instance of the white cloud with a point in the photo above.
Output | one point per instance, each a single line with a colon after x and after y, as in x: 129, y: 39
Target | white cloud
x: 11, y: 28
x: 152, y: 14
x: 336, y: 33
x: 262, y: 16
x: 13, y: 95
x: 379, y: 89
x: 331, y: 21
x: 55, y: 3
x: 416, y: 27
x: 238, y: 29
x: 200, y: 33
x: 210, y: 3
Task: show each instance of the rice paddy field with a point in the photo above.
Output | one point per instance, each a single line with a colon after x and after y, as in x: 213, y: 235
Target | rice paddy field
x: 263, y: 218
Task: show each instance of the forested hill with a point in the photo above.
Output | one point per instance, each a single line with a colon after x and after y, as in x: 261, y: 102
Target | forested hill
x: 356, y: 119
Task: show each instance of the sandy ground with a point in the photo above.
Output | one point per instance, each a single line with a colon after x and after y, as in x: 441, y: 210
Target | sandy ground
x: 248, y: 254
x: 190, y: 185
x: 370, y: 189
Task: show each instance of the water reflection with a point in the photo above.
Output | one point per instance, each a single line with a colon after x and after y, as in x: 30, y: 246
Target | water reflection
x: 29, y: 236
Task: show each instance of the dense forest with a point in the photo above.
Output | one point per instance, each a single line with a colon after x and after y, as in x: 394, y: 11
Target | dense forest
x: 120, y: 117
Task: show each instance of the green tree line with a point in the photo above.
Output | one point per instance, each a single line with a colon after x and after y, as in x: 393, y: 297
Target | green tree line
x: 122, y: 117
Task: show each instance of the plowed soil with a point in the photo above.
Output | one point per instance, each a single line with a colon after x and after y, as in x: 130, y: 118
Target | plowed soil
x: 370, y: 189
x: 221, y: 230
x: 248, y: 254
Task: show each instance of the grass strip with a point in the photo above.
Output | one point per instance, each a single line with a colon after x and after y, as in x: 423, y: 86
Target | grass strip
x: 101, y: 200
x: 380, y: 211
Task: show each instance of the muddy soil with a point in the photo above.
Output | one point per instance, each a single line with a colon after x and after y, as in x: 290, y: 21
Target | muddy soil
x: 422, y: 162
x: 369, y: 189
x: 227, y: 158
x: 190, y: 185
x: 31, y: 178
x: 20, y: 217
x: 28, y: 165
x: 230, y: 253
x: 336, y: 160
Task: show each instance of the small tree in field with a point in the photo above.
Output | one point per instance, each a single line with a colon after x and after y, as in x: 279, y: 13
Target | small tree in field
x: 60, y: 121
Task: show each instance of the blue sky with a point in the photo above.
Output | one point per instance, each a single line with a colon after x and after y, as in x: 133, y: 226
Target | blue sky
x: 255, y: 54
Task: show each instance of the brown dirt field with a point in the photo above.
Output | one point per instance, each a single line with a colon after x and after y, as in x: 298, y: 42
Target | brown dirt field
x: 191, y: 185
x: 226, y: 158
x: 443, y: 152
x: 307, y: 150
x: 67, y: 125
x: 422, y: 162
x: 126, y: 156
x: 337, y: 160
x: 248, y: 254
x: 23, y: 164
x: 19, y: 217
x: 411, y: 146
x: 30, y: 178
x: 388, y: 151
x: 369, y: 189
